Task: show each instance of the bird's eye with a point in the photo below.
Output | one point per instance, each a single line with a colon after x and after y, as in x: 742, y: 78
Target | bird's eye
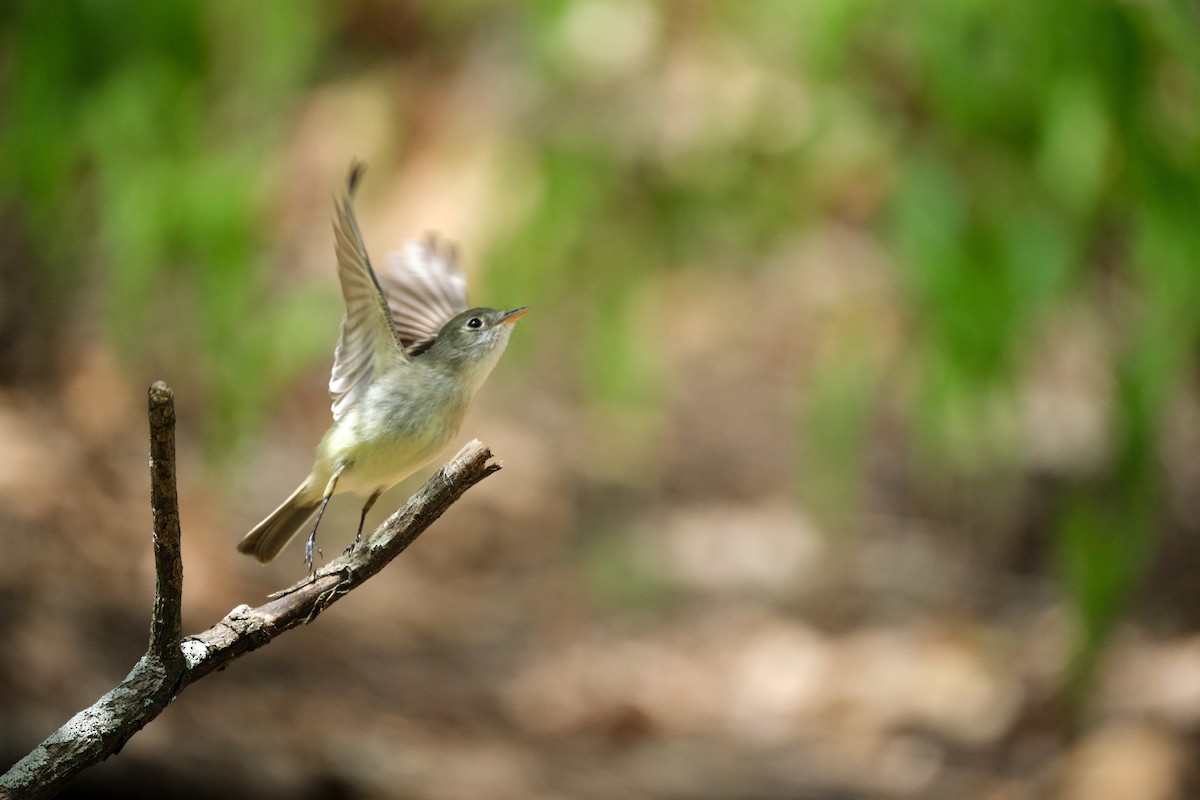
x: 474, y: 322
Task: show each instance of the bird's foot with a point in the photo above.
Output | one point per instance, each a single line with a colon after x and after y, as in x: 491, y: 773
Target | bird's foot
x: 357, y: 541
x: 309, y: 546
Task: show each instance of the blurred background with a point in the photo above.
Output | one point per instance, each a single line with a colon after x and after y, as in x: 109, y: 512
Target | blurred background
x: 852, y: 445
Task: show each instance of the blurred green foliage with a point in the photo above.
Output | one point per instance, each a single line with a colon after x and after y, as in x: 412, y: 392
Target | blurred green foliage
x: 145, y: 125
x: 1051, y: 157
x: 1034, y: 157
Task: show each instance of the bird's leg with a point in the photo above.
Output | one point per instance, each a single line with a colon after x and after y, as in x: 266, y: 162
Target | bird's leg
x: 312, y: 537
x: 362, y: 520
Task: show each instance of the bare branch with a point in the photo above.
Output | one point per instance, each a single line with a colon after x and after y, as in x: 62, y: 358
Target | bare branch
x: 166, y: 623
x: 171, y: 663
x: 244, y: 629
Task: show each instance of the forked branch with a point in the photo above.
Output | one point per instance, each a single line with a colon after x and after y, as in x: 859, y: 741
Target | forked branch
x: 172, y: 662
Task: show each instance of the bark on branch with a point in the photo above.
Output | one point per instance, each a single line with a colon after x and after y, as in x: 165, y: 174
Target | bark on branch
x: 172, y: 662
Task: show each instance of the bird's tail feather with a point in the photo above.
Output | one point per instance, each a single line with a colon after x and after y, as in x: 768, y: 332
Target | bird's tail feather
x: 273, y: 533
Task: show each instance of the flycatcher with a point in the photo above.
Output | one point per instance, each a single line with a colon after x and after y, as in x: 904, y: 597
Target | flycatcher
x: 409, y: 360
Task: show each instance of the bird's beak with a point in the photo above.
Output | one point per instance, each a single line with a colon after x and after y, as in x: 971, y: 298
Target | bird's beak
x: 512, y: 316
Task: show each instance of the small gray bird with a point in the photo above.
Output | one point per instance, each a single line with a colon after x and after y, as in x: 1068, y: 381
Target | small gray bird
x: 410, y: 358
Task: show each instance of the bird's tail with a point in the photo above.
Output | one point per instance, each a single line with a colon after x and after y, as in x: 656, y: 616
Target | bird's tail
x: 270, y: 535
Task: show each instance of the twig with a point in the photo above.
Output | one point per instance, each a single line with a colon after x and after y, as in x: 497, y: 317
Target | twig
x: 166, y: 623
x: 171, y: 663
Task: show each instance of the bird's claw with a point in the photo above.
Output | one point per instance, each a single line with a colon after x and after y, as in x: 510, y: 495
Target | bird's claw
x: 309, y: 546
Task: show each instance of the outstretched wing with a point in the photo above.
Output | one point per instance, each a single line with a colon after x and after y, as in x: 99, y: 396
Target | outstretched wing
x: 368, y: 338
x: 425, y: 288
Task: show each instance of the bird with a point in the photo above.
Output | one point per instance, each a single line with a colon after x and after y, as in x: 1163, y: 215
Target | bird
x: 410, y: 357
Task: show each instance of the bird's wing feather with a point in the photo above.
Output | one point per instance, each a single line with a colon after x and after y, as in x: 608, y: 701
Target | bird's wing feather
x: 368, y: 337
x: 425, y: 288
